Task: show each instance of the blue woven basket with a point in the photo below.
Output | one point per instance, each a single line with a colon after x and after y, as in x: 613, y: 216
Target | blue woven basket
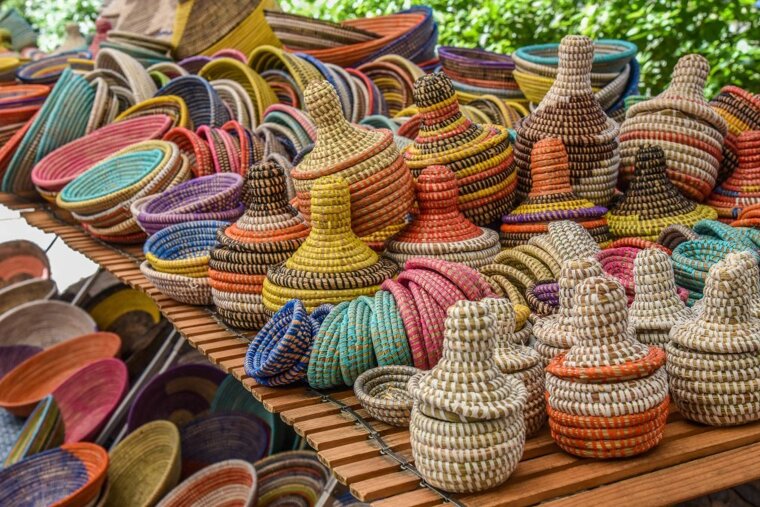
x: 184, y: 241
x: 204, y: 104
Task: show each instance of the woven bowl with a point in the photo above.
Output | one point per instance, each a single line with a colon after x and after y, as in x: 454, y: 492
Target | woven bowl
x: 291, y: 478
x: 144, y: 466
x: 382, y: 392
x: 89, y: 396
x: 44, y: 323
x: 23, y: 387
x: 34, y: 289
x: 20, y: 260
x: 204, y: 104
x: 183, y: 249
x: 68, y: 476
x: 179, y: 395
x: 222, y: 436
x: 13, y: 355
x: 42, y: 430
x: 229, y: 483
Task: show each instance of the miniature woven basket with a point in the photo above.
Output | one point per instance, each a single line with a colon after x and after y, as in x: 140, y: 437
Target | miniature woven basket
x: 383, y: 394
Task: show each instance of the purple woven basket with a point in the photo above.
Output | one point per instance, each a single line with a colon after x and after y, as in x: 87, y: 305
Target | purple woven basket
x: 13, y: 355
x: 222, y: 436
x: 179, y: 394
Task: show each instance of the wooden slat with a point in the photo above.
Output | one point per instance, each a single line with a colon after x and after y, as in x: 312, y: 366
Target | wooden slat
x: 418, y: 498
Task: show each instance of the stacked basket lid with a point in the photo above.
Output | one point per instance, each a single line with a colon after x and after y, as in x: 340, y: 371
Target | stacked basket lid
x: 101, y: 197
x: 479, y: 71
x: 380, y: 184
x: 652, y: 202
x: 741, y: 111
x: 269, y: 232
x: 332, y: 265
x: 713, y: 359
x: 466, y: 394
x: 571, y: 112
x: 742, y: 187
x: 692, y: 137
x: 551, y: 198
x: 479, y: 155
x: 439, y: 229
x: 608, y: 395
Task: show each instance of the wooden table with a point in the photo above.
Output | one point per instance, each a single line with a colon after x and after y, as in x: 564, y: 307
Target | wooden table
x: 691, y: 461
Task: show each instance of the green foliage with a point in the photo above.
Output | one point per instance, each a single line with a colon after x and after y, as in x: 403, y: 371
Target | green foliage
x: 726, y: 32
x: 50, y: 17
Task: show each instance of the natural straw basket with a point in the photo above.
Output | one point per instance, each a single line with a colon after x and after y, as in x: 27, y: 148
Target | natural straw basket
x: 382, y: 393
x: 291, y: 478
x: 232, y: 482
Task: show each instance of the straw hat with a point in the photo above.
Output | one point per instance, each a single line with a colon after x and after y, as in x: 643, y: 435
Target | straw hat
x: 741, y: 111
x: 740, y: 189
x: 680, y: 121
x: 555, y: 333
x: 713, y: 359
x: 571, y: 241
x: 380, y: 183
x: 551, y: 198
x: 479, y: 155
x: 465, y: 411
x: 652, y: 202
x: 514, y: 358
x: 440, y: 230
x: 571, y: 112
x: 269, y: 232
x: 332, y: 265
x: 608, y: 394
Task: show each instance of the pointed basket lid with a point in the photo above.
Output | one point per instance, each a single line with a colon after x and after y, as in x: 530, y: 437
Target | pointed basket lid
x: 656, y: 305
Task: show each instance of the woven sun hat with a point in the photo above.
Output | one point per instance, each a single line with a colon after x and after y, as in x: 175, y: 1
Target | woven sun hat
x: 366, y: 159
x: 212, y: 197
x: 290, y: 478
x: 144, y: 466
x: 22, y: 260
x: 332, y: 264
x: 713, y: 359
x: 656, y: 306
x: 741, y: 111
x: 465, y: 410
x: 555, y: 333
x: 681, y: 122
x: 179, y: 395
x: 42, y: 430
x: 652, y: 202
x: 591, y: 144
x: 675, y: 234
x: 58, y: 168
x: 231, y: 482
x: 741, y: 188
x: 571, y: 241
x: 21, y: 392
x: 607, y: 396
x: 383, y: 394
x: 67, y: 476
x: 551, y: 198
x: 13, y: 355
x: 479, y: 155
x: 269, y: 232
x: 44, y: 323
x: 515, y: 359
x: 439, y: 229
x: 89, y: 396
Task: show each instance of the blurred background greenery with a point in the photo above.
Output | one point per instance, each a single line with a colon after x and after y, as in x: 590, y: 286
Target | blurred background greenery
x: 727, y: 32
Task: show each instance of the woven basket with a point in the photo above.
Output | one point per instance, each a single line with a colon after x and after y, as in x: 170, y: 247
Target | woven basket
x: 382, y: 393
x: 21, y: 260
x: 13, y: 355
x: 204, y: 104
x: 42, y: 430
x: 44, y: 323
x: 172, y: 106
x: 295, y: 477
x: 47, y: 70
x: 740, y: 188
x: 138, y: 79
x: 26, y: 291
x: 230, y: 482
x: 741, y: 111
x: 144, y: 466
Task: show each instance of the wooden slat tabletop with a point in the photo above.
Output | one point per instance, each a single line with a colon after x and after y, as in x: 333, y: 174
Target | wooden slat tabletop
x: 691, y: 461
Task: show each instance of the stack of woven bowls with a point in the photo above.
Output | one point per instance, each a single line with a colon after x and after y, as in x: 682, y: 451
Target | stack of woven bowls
x: 714, y: 358
x: 480, y: 72
x: 380, y: 184
x: 18, y: 104
x: 742, y: 187
x: 656, y: 306
x: 290, y: 478
x: 679, y: 120
x: 269, y: 232
x: 652, y: 202
x: 741, y: 111
x: 555, y: 333
x: 693, y: 259
x: 571, y: 112
x: 551, y: 198
x: 607, y: 397
x: 439, y: 229
x: 466, y: 394
x: 332, y: 265
x: 101, y: 197
x: 522, y: 362
x: 479, y: 155
x: 177, y: 260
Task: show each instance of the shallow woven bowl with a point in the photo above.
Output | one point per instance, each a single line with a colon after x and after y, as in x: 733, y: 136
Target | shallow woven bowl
x: 230, y: 483
x: 42, y: 430
x: 13, y: 355
x: 21, y: 260
x: 89, y: 396
x: 179, y: 394
x: 291, y: 478
x: 144, y: 466
x: 34, y: 289
x: 382, y: 393
x: 29, y: 382
x: 67, y: 476
x: 44, y: 323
